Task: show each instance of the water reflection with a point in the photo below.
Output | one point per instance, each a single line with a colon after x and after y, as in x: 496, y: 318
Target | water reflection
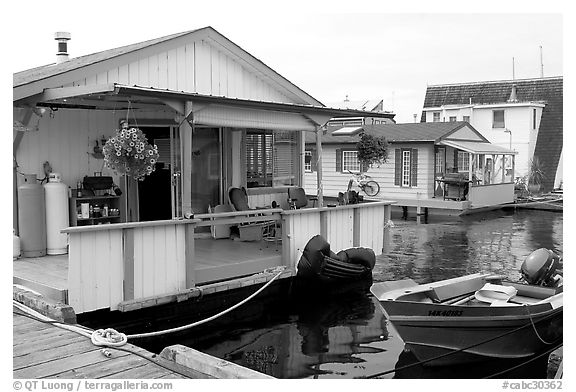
x: 339, y: 331
x: 348, y: 336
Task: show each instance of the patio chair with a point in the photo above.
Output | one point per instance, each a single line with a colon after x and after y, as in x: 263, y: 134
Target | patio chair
x: 297, y: 198
x: 255, y: 231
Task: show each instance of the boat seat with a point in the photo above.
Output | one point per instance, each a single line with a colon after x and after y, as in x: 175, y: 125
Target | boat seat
x: 496, y: 295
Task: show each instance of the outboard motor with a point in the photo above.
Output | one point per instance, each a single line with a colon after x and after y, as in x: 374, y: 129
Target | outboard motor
x: 540, y: 268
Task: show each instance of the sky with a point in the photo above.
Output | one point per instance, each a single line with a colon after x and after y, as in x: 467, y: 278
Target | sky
x: 362, y: 49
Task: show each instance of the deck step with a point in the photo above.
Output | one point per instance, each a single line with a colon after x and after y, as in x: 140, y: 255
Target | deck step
x: 50, y: 292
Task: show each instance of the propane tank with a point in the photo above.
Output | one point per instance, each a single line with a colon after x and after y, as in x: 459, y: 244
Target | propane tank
x: 32, y: 217
x: 56, y: 198
x: 15, y: 245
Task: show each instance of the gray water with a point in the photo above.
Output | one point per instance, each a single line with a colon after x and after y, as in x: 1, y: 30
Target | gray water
x: 348, y: 336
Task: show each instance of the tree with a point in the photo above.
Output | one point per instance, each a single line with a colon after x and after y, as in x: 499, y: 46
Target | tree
x: 371, y: 150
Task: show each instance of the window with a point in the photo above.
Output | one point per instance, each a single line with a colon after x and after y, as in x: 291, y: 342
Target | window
x: 452, y: 119
x: 466, y: 118
x: 350, y: 161
x: 271, y: 158
x: 436, y: 117
x: 308, y: 161
x: 463, y: 161
x: 406, y: 168
x: 498, y: 119
x: 439, y: 162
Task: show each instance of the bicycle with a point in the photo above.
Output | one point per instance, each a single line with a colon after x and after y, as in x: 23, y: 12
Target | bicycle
x: 365, y: 183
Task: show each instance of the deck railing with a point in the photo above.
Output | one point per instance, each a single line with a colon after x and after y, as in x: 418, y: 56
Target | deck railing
x: 343, y: 227
x: 490, y: 195
x: 114, y: 263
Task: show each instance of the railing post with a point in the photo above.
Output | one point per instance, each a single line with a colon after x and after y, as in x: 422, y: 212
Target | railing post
x: 386, y: 231
x: 128, y: 257
x: 189, y: 255
x: 324, y: 224
x: 356, y: 227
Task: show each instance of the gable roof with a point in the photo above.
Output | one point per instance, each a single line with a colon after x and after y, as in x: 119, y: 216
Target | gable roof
x: 549, y: 90
x: 38, y: 74
x: 46, y: 71
x: 398, y: 133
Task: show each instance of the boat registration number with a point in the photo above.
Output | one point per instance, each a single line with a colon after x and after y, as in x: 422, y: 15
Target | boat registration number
x: 445, y: 313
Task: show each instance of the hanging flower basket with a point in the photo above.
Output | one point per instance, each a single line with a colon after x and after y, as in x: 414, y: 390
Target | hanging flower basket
x: 128, y: 152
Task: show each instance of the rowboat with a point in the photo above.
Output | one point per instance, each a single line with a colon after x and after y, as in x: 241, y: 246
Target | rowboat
x: 474, y: 317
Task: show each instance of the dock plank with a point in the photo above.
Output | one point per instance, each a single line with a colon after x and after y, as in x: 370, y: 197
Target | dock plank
x: 123, y: 362
x: 42, y: 350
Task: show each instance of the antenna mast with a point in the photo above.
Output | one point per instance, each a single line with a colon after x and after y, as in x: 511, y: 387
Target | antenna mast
x: 541, y: 63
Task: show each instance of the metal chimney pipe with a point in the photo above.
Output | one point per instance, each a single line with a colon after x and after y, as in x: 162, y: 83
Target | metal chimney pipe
x: 62, y: 38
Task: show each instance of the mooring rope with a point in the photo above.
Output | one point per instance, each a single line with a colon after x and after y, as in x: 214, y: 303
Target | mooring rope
x: 109, y: 337
x: 197, y: 323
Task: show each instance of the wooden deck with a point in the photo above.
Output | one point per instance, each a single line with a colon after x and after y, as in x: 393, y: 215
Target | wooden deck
x: 42, y: 350
x: 217, y: 260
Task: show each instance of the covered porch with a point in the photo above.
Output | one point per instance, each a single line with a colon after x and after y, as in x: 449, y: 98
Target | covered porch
x: 481, y: 174
x: 207, y: 139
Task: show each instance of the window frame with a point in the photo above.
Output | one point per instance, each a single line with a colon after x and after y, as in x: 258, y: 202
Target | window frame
x: 308, y: 165
x: 406, y: 169
x: 464, y: 158
x: 357, y: 163
x: 497, y: 124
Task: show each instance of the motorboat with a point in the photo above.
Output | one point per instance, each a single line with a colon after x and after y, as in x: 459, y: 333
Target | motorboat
x: 479, y: 316
x: 319, y: 262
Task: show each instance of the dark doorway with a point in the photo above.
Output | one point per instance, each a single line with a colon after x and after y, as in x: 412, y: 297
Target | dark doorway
x: 154, y: 192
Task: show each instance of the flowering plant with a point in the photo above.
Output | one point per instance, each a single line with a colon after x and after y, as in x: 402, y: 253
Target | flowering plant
x: 128, y: 152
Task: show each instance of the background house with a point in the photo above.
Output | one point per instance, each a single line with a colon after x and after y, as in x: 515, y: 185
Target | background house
x: 523, y: 114
x: 420, y: 156
x: 370, y: 105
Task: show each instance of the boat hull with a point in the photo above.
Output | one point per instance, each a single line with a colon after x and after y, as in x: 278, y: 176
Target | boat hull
x: 441, y: 335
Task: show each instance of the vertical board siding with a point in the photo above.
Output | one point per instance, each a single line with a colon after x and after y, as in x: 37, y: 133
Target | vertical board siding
x: 203, y: 68
x: 372, y: 221
x: 299, y: 228
x: 144, y: 78
x: 95, y: 270
x: 189, y: 65
x: 340, y: 228
x: 159, y: 266
x: 181, y: 82
x: 163, y: 70
x: 194, y: 66
x: 172, y: 70
x: 67, y: 141
x: 96, y: 265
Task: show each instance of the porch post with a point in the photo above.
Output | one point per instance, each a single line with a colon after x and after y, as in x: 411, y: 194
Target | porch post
x: 319, y: 166
x: 186, y: 157
x: 470, y: 164
x: 513, y: 168
x: 503, y: 168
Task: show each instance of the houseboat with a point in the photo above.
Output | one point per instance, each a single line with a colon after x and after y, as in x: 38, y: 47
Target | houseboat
x: 444, y: 167
x: 220, y: 119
